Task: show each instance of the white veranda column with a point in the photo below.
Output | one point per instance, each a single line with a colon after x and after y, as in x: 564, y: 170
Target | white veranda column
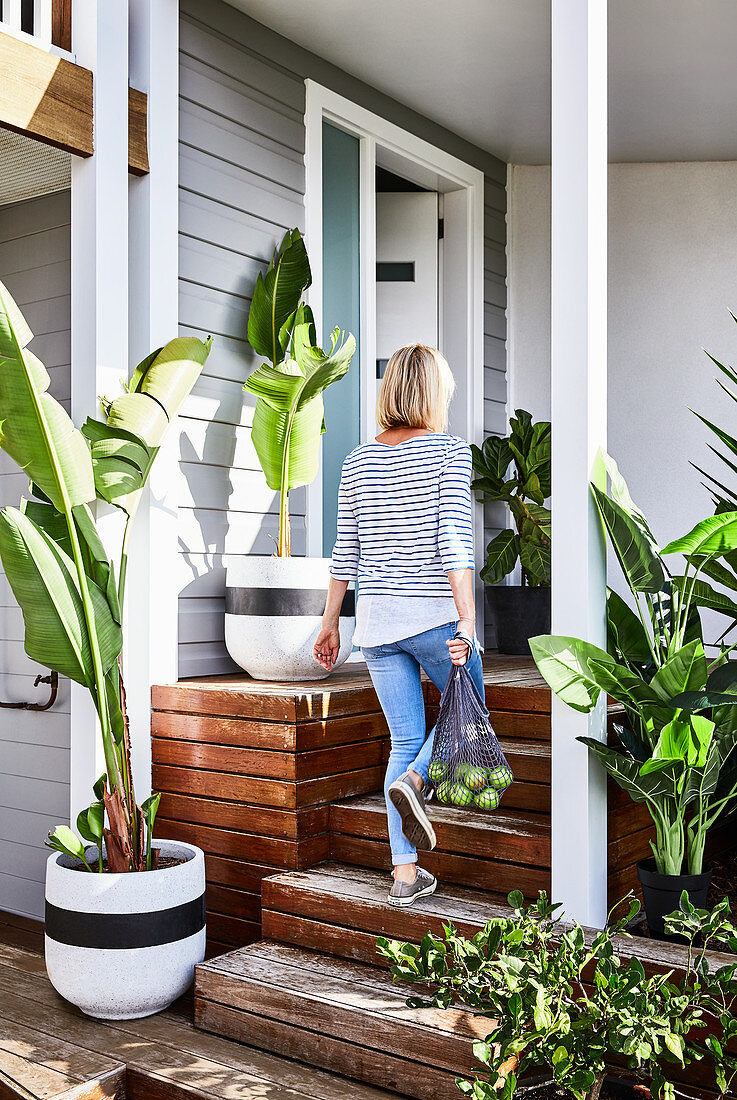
x: 578, y: 413
x: 99, y: 283
x: 153, y: 578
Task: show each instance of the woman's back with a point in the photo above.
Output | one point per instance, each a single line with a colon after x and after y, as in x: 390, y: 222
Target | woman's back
x: 404, y: 516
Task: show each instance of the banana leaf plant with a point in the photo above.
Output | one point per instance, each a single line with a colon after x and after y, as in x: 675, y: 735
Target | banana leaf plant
x: 289, y: 420
x: 675, y: 750
x: 524, y: 490
x: 55, y: 560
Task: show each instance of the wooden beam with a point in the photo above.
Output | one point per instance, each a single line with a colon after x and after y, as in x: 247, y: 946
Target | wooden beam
x: 137, y: 132
x: 45, y: 96
x: 61, y: 24
x: 50, y: 99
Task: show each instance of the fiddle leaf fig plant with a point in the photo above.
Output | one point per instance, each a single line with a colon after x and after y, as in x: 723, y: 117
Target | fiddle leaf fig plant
x: 676, y: 746
x: 524, y: 489
x: 289, y: 416
x: 55, y: 561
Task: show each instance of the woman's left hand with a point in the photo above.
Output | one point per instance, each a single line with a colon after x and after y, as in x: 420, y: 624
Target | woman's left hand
x: 459, y: 651
x: 327, y: 647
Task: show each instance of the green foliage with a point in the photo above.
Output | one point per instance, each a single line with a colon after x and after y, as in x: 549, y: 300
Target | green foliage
x: 149, y: 809
x: 52, y: 553
x: 674, y: 759
x: 527, y: 449
x: 289, y: 416
x: 560, y: 998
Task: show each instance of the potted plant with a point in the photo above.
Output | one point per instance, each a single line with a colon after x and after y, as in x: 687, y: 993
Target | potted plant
x: 124, y: 912
x: 561, y: 1001
x: 520, y: 611
x: 675, y: 750
x: 273, y: 606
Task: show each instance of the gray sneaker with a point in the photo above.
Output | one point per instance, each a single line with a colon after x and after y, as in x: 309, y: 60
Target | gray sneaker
x: 410, y: 804
x: 405, y: 893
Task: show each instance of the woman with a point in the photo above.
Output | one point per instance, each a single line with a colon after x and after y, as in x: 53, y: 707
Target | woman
x: 405, y: 532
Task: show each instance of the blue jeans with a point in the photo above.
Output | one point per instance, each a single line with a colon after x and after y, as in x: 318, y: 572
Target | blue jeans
x: 395, y: 674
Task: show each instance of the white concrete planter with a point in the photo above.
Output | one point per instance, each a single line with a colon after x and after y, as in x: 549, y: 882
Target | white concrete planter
x: 273, y: 609
x: 124, y: 946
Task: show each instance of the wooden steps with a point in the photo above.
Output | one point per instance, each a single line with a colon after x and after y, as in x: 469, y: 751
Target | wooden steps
x: 247, y: 771
x: 340, y: 1015
x: 341, y: 910
x: 501, y: 851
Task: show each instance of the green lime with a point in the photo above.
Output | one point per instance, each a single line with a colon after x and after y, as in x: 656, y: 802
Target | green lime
x: 461, y: 773
x: 443, y: 792
x: 488, y: 799
x: 478, y: 778
x: 500, y: 777
x: 438, y: 768
x: 460, y: 795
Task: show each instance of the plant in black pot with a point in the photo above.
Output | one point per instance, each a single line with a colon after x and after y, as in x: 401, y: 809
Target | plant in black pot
x: 675, y: 749
x: 520, y: 611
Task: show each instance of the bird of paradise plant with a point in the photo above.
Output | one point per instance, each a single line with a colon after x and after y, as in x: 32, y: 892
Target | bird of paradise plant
x: 57, y: 565
x: 289, y: 416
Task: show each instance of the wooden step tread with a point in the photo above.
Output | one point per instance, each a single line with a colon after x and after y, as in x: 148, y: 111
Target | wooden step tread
x: 340, y: 909
x: 367, y: 816
x: 337, y: 1014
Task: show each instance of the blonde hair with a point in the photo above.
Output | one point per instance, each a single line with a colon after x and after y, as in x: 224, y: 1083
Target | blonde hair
x: 415, y: 391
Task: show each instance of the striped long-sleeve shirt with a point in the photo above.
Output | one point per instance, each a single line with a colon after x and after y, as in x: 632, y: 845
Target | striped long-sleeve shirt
x: 404, y: 520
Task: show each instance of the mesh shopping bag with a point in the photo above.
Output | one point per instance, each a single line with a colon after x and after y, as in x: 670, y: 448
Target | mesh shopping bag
x: 468, y: 768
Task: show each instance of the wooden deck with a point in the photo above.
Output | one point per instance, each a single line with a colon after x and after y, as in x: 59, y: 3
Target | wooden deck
x: 51, y: 1051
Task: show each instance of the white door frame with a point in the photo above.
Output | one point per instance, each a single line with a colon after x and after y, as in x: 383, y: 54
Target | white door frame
x: 461, y: 272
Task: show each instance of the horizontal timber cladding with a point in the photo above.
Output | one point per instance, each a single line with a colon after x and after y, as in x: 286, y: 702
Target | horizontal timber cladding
x: 248, y: 770
x: 242, y: 183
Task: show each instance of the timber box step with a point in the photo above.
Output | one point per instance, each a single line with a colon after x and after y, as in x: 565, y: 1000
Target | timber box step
x: 341, y: 910
x: 501, y: 851
x: 339, y: 1015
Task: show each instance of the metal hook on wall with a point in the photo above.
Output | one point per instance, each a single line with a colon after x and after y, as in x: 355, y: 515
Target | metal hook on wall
x: 53, y: 680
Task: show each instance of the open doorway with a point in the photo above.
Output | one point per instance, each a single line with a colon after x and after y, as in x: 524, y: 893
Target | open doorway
x: 395, y: 232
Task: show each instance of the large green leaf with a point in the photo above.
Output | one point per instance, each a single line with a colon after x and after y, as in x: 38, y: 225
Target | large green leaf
x: 277, y: 296
x: 653, y: 788
x: 535, y: 560
x: 685, y: 670
x: 713, y: 535
x: 640, y: 562
x: 565, y: 664
x: 124, y: 447
x: 703, y: 595
x: 501, y: 556
x: 620, y: 494
x: 289, y: 412
x: 44, y: 583
x: 626, y: 633
x: 34, y: 429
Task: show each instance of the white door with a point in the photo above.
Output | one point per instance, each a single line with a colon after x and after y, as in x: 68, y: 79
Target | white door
x: 406, y: 271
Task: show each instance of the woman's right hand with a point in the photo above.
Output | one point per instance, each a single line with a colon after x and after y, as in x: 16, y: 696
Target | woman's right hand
x: 327, y: 647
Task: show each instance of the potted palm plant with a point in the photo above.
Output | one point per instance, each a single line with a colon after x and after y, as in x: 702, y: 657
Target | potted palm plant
x: 273, y: 605
x: 522, y: 610
x: 675, y: 750
x: 124, y: 912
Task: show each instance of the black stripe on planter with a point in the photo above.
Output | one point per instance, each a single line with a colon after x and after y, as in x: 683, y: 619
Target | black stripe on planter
x: 283, y: 601
x: 123, y: 931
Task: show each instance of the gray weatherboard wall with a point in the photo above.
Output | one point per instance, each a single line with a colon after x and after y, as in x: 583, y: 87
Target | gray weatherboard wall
x: 242, y: 136
x: 35, y: 243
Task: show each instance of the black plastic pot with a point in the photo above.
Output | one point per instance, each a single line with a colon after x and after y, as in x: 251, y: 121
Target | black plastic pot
x: 662, y: 894
x: 520, y: 613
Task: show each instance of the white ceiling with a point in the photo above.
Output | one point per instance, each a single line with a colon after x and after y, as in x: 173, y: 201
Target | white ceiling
x: 482, y: 68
